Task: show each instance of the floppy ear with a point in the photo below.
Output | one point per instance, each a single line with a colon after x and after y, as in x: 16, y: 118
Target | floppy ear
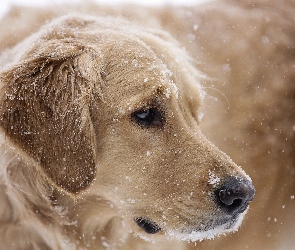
x: 44, y: 110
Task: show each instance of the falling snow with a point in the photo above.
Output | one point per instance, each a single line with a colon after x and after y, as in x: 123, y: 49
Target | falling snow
x: 213, y: 179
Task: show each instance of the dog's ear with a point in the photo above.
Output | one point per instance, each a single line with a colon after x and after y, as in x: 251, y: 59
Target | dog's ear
x: 44, y: 110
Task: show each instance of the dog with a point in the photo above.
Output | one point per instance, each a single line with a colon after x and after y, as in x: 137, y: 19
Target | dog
x: 101, y: 144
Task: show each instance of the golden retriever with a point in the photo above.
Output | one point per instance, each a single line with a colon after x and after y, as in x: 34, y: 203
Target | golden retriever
x: 247, y: 50
x: 101, y: 146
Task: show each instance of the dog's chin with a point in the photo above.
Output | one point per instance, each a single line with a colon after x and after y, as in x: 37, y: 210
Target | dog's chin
x: 208, y: 230
x: 150, y: 231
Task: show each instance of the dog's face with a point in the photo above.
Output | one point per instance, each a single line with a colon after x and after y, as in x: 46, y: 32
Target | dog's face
x: 113, y: 112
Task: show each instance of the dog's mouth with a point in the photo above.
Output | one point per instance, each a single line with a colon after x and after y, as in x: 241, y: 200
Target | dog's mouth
x: 227, y: 223
x: 208, y: 229
x: 147, y: 225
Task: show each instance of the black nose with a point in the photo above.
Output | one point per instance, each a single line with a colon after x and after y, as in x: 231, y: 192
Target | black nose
x: 234, y: 196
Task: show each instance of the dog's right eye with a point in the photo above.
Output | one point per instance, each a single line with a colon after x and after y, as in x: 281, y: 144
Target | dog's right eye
x: 150, y: 117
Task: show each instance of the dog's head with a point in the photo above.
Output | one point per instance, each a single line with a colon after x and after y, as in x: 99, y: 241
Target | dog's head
x: 108, y: 109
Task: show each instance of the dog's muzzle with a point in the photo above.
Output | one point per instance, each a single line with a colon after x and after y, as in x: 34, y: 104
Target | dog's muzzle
x: 233, y: 198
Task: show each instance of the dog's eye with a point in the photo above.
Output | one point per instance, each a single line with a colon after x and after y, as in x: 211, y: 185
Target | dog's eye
x: 148, y: 117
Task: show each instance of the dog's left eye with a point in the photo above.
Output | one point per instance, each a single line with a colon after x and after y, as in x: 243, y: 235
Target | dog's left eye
x: 148, y: 117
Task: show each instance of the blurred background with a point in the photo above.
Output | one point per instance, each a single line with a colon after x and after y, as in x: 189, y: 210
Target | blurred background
x: 4, y: 4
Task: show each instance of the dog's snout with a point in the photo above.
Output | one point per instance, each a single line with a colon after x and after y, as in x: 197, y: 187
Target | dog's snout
x: 235, y: 195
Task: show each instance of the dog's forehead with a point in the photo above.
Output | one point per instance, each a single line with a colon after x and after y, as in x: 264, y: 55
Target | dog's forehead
x: 134, y: 62
x: 133, y: 71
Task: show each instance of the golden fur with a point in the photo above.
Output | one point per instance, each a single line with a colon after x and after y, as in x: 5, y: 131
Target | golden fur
x: 86, y: 167
x: 245, y: 49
